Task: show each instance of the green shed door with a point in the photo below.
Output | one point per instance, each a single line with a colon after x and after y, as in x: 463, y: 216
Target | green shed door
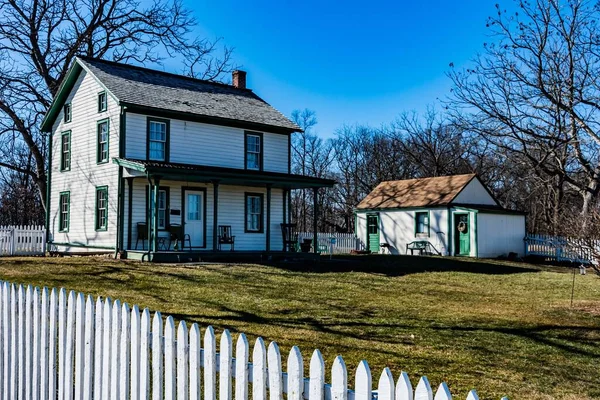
x: 462, y: 235
x: 373, y: 232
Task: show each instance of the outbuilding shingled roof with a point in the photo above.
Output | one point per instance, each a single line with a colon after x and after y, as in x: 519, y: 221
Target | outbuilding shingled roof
x: 424, y: 192
x: 150, y: 88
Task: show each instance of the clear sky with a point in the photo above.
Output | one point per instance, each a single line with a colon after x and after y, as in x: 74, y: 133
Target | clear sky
x: 351, y: 62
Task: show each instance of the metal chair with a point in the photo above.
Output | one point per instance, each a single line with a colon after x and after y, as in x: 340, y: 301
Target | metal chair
x: 225, y: 236
x: 142, y: 234
x: 176, y: 235
x: 290, y: 237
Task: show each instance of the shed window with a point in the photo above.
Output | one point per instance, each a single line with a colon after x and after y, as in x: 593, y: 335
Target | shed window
x: 254, y: 212
x: 422, y: 222
x: 102, y: 208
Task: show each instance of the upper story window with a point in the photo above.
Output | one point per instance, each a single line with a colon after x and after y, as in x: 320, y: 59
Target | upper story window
x: 254, y: 154
x: 422, y: 223
x: 102, y: 102
x: 65, y: 151
x: 158, y: 139
x: 102, y: 145
x: 67, y: 112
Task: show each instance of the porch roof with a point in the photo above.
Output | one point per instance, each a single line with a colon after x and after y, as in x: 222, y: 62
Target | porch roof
x: 231, y: 176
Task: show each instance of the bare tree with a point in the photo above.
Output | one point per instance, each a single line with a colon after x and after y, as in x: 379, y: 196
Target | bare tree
x: 39, y: 40
x: 534, y: 94
x: 306, y: 119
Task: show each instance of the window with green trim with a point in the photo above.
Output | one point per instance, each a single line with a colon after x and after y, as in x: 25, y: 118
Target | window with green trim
x: 158, y: 133
x: 102, y: 208
x: 254, y: 212
x: 102, y: 102
x: 103, y: 132
x: 254, y: 151
x: 422, y: 222
x: 65, y: 151
x: 67, y: 112
x: 64, y: 211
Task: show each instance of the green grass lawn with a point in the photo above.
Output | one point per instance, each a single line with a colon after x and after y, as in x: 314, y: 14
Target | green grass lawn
x: 502, y: 328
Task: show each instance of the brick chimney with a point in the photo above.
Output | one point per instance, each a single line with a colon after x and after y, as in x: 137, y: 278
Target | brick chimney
x: 238, y: 78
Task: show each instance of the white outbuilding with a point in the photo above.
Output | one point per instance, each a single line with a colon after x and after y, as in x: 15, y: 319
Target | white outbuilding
x: 448, y: 215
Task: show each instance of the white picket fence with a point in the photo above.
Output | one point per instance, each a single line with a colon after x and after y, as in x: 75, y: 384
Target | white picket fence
x: 562, y: 248
x: 344, y: 242
x: 22, y: 240
x: 55, y: 345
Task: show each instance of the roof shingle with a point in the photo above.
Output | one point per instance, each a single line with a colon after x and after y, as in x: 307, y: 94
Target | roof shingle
x: 150, y: 88
x: 424, y: 192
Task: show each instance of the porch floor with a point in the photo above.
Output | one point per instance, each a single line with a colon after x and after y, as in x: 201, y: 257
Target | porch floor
x: 256, y: 256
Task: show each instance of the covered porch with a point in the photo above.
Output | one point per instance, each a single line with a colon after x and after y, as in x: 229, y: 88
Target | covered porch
x: 177, y: 212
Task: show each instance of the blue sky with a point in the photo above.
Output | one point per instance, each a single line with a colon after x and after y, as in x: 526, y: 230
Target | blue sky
x: 351, y: 62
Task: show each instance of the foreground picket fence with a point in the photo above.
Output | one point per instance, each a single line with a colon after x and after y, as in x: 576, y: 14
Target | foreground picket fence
x: 22, y: 240
x: 344, y: 242
x: 562, y: 248
x: 59, y: 345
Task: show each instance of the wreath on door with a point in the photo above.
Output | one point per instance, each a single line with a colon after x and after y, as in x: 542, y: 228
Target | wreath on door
x: 462, y: 227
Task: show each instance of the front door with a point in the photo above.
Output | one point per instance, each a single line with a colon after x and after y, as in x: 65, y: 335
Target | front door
x: 373, y: 232
x: 194, y: 217
x: 462, y: 235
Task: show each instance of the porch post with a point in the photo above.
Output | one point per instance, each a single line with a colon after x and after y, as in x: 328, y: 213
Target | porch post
x: 284, y: 192
x: 215, y: 212
x: 155, y: 214
x: 268, y: 230
x: 315, y: 213
x: 129, y: 209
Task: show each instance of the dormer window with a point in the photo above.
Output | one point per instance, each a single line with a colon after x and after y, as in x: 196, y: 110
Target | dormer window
x: 102, y: 103
x: 67, y: 112
x: 254, y: 153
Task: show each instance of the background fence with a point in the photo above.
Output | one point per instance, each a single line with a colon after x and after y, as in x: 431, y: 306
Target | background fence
x: 561, y: 248
x: 22, y: 240
x: 69, y: 346
x: 344, y: 242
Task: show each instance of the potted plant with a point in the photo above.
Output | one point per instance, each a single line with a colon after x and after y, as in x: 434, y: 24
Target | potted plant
x: 306, y: 245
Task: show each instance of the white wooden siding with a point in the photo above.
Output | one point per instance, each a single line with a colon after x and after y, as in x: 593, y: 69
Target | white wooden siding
x: 231, y: 212
x: 397, y: 229
x: 500, y: 234
x: 85, y: 173
x: 204, y: 144
x: 474, y: 193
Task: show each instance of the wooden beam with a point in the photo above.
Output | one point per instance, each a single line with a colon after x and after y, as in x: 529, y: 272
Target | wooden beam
x: 315, y: 213
x: 215, y: 212
x: 155, y: 192
x: 268, y: 230
x: 129, y: 210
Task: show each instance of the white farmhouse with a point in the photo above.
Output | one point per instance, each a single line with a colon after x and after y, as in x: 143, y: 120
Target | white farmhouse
x: 448, y: 215
x: 149, y: 163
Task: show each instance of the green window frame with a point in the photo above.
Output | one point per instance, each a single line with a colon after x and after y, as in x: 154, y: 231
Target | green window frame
x: 102, y: 141
x: 67, y: 112
x: 164, y: 195
x: 65, y: 151
x: 422, y: 223
x: 157, y: 139
x: 101, y: 214
x: 64, y: 212
x: 253, y: 151
x: 102, y: 102
x: 253, y: 212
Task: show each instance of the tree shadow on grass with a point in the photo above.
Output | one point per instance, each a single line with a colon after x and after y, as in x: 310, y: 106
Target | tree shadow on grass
x: 399, y: 265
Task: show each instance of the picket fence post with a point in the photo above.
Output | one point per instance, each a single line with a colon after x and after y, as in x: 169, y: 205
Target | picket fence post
x: 109, y: 350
